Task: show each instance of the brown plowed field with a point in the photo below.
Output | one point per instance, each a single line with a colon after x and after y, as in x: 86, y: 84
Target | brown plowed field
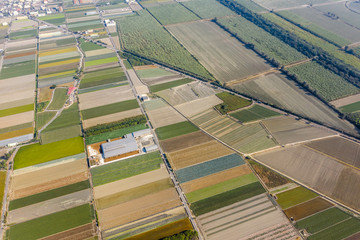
x: 138, y: 208
x: 131, y: 194
x: 215, y: 178
x: 60, y: 68
x: 46, y: 186
x: 339, y: 148
x: 20, y: 179
x: 308, y: 208
x: 198, y: 154
x: 20, y: 54
x: 129, y: 183
x: 82, y: 232
x: 185, y: 141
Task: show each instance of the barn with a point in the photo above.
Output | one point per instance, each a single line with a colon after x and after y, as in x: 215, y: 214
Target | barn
x: 119, y: 147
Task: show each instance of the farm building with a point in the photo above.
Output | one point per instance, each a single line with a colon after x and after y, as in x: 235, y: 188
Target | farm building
x: 119, y: 147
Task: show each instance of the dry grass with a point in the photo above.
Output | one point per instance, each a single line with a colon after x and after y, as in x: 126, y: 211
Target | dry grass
x: 45, y: 94
x: 346, y: 100
x: 23, y: 54
x: 57, y: 51
x: 164, y: 116
x: 17, y: 119
x: 197, y: 154
x: 145, y: 67
x: 215, y: 178
x: 189, y: 109
x: 16, y: 133
x: 185, y: 141
x: 54, y: 64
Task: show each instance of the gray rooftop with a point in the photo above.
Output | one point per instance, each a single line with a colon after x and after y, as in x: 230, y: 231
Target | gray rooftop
x: 118, y: 147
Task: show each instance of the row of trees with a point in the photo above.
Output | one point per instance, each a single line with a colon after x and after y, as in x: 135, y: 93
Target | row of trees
x: 107, y: 127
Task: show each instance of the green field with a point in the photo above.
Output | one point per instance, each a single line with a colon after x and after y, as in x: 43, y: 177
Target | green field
x: 56, y: 19
x: 208, y: 8
x: 172, y: 13
x: 294, y: 196
x: 59, y: 99
x: 101, y: 61
x: 17, y: 69
x: 23, y: 34
x: 40, y: 197
x: 353, y: 107
x: 60, y: 134
x: 227, y: 198
x: 88, y: 46
x: 2, y: 185
x: 231, y: 102
x: 324, y: 82
x: 175, y: 130
x: 339, y: 231
x: 51, y: 224
x: 163, y: 86
x: 43, y: 117
x: 322, y: 220
x: 16, y: 110
x: 261, y: 40
x: 144, y: 35
x: 68, y: 117
x: 16, y: 127
x: 109, y: 109
x: 221, y: 187
x: 36, y: 153
x: 126, y: 168
x: 312, y: 39
x: 153, y: 72
x: 101, y: 77
x: 255, y: 112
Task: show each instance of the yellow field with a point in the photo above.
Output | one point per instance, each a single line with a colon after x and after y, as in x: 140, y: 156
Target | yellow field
x: 53, y: 52
x: 56, y: 74
x: 16, y: 133
x: 54, y: 64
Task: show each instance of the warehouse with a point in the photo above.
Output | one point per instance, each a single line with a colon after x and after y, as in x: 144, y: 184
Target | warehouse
x: 119, y: 147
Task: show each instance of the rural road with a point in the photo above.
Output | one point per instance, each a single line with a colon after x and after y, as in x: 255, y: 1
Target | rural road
x: 7, y: 183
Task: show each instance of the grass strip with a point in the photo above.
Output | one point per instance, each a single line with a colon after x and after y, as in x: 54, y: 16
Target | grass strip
x: 163, y: 86
x: 16, y: 110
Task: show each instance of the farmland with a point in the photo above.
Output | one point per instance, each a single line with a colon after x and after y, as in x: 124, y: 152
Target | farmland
x: 36, y: 153
x: 227, y: 60
x: 262, y: 41
x: 101, y: 77
x: 281, y: 92
x: 350, y: 108
x: 109, y: 173
x: 231, y: 102
x: 308, y: 208
x: 59, y: 98
x: 143, y: 35
x: 163, y: 86
x: 253, y: 113
x: 294, y: 197
x: 172, y: 13
x: 175, y: 130
x: 323, y: 82
x: 207, y: 8
x: 165, y: 116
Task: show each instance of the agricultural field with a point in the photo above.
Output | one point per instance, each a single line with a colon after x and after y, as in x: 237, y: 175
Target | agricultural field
x: 318, y: 171
x: 175, y: 130
x: 279, y: 4
x: 56, y: 19
x: 254, y: 113
x: 294, y: 196
x: 231, y: 102
x: 277, y: 90
x: 307, y: 208
x: 172, y: 84
x: 164, y: 116
x: 101, y: 77
x: 198, y: 106
x: 287, y: 130
x: 59, y: 99
x: 207, y: 8
x: 317, y: 22
x: 262, y: 41
x: 143, y: 35
x: 228, y: 61
x: 186, y: 93
x: 172, y: 13
x: 36, y: 153
x: 351, y: 108
x: 342, y: 149
x: 323, y: 81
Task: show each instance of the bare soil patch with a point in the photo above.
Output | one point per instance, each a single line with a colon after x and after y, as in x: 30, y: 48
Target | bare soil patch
x: 185, y: 141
